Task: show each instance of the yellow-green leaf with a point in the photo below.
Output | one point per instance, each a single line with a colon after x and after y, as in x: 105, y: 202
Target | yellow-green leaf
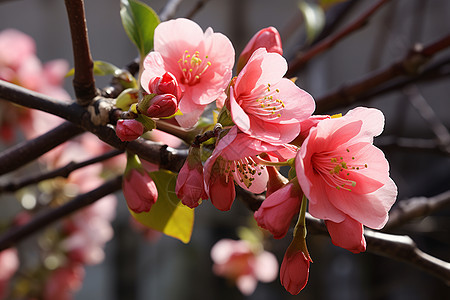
x: 168, y: 214
x: 314, y: 17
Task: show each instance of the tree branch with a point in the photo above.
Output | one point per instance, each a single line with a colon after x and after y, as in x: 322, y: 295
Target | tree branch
x: 41, y: 220
x: 297, y: 64
x: 168, y: 11
x: 153, y: 152
x: 17, y: 183
x: 83, y: 81
x: 409, y: 65
x: 27, y: 151
x: 417, y: 207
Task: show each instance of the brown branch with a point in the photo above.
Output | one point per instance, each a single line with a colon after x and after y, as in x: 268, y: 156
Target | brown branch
x: 417, y: 207
x: 17, y: 183
x: 83, y: 81
x: 172, y: 159
x: 408, y: 66
x: 196, y: 8
x: 297, y: 64
x: 401, y: 248
x: 45, y: 218
x: 27, y: 151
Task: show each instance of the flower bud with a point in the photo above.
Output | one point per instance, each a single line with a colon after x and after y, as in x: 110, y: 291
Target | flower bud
x: 138, y: 187
x: 162, y: 106
x: 166, y: 84
x: 267, y: 38
x: 129, y: 129
x: 190, y: 186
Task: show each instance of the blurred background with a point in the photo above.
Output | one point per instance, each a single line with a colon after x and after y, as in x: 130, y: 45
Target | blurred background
x: 164, y: 268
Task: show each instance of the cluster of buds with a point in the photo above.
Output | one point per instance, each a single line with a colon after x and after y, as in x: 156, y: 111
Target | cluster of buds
x: 161, y: 102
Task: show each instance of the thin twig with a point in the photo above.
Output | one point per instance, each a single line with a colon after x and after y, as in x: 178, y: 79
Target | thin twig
x: 196, y: 8
x: 417, y: 207
x: 426, y: 111
x: 297, y: 64
x: 18, y: 183
x: 410, y: 65
x: 169, y: 10
x: 27, y: 151
x: 45, y: 218
x: 83, y: 80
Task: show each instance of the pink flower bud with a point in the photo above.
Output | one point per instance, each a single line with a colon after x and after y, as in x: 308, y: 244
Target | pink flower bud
x: 267, y: 38
x: 139, y: 190
x: 166, y: 84
x: 129, y: 129
x: 294, y: 270
x: 189, y: 187
x: 277, y: 210
x: 162, y: 106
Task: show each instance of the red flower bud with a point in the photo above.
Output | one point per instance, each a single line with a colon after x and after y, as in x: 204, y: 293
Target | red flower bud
x: 267, y: 38
x: 139, y: 190
x: 166, y: 84
x: 162, y: 106
x: 129, y: 129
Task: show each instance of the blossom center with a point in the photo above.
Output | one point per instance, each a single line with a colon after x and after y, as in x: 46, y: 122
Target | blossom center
x: 245, y: 170
x: 336, y: 170
x: 192, y: 67
x: 267, y: 104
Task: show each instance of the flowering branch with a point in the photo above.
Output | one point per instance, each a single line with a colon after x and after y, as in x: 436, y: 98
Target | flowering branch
x: 15, y: 234
x: 16, y: 184
x: 297, y: 64
x: 409, y: 65
x: 83, y: 81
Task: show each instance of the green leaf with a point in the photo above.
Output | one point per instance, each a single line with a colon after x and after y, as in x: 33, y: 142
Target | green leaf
x: 148, y: 123
x: 168, y: 214
x: 127, y: 98
x: 314, y: 19
x: 103, y: 68
x: 139, y: 22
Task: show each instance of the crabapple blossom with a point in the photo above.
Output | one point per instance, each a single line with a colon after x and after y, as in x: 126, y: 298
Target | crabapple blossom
x: 267, y: 38
x: 265, y: 105
x: 237, y: 261
x: 235, y: 158
x: 345, y: 177
x: 129, y: 129
x: 200, y: 61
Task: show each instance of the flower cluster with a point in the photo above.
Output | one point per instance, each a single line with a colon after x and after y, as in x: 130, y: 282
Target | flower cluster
x: 265, y: 121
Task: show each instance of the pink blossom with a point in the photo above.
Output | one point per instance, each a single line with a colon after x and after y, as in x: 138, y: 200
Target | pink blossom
x: 267, y: 38
x: 265, y: 105
x: 344, y: 176
x: 294, y: 270
x: 139, y: 190
x: 129, y: 129
x: 9, y: 263
x: 63, y: 282
x: 234, y: 158
x: 276, y: 181
x: 201, y: 62
x: 237, y: 261
x: 278, y: 209
x: 190, y: 185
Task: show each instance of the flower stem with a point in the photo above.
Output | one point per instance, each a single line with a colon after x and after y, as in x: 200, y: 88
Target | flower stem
x: 271, y: 163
